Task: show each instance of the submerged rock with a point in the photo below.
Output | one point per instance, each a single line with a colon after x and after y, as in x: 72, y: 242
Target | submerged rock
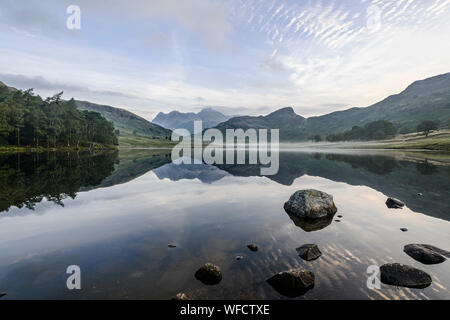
x: 310, y: 204
x: 209, y: 274
x: 181, y: 296
x: 2, y: 294
x: 404, y: 229
x: 393, y: 203
x: 253, y: 247
x: 292, y: 283
x: 423, y: 254
x: 172, y: 246
x: 309, y: 252
x: 239, y: 257
x: 404, y: 276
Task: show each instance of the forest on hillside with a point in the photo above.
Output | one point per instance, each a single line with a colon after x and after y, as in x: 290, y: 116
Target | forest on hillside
x: 28, y: 120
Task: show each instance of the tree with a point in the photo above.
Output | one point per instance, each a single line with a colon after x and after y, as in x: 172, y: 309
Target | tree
x: 316, y: 138
x: 427, y: 126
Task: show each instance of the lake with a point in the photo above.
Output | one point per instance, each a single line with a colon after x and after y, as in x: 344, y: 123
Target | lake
x: 114, y: 215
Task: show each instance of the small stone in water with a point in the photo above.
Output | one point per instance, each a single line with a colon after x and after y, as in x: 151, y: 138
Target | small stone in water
x: 340, y: 216
x: 2, y: 294
x: 239, y: 257
x: 172, y: 246
x: 253, y: 247
x: 399, y: 275
x: 181, y: 296
x: 292, y: 283
x: 423, y: 254
x: 209, y: 274
x: 393, y: 203
x: 404, y: 229
x: 309, y: 252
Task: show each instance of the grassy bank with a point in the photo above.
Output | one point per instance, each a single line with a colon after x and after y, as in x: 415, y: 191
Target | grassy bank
x: 436, y: 141
x: 133, y: 141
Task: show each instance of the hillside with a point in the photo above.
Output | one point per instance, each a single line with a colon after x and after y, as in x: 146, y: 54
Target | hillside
x: 289, y: 123
x: 126, y: 121
x: 426, y: 99
x: 178, y: 120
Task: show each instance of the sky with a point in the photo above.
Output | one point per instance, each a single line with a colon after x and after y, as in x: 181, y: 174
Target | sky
x: 236, y: 56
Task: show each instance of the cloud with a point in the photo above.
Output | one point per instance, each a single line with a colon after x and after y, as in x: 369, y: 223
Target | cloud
x: 244, y: 56
x: 25, y: 82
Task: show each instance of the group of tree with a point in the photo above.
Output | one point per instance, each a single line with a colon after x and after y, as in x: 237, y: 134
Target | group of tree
x: 28, y: 120
x: 316, y: 138
x: 377, y: 130
x: 427, y: 126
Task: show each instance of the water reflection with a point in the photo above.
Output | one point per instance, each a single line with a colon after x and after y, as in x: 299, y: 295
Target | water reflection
x: 398, y: 178
x: 26, y: 179
x: 118, y: 226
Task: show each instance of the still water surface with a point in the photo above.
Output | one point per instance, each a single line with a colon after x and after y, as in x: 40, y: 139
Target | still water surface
x: 115, y: 214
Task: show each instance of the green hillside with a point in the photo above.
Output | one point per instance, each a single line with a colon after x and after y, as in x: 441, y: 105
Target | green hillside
x: 423, y: 100
x: 427, y: 99
x: 127, y: 122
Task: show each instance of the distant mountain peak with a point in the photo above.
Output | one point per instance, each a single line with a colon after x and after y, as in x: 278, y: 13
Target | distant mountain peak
x: 287, y: 110
x: 287, y: 113
x: 178, y: 120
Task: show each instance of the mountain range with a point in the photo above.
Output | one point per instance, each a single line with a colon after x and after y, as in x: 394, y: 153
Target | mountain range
x: 178, y: 120
x: 427, y: 99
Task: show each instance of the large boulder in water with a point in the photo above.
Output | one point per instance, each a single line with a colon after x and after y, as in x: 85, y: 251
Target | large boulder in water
x: 292, y: 283
x: 310, y: 204
x: 209, y: 274
x: 400, y: 275
x: 424, y: 253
